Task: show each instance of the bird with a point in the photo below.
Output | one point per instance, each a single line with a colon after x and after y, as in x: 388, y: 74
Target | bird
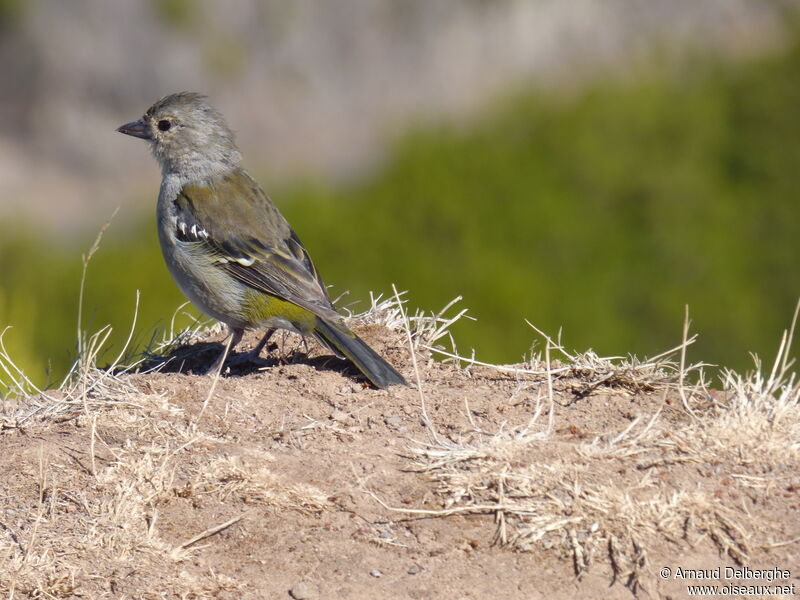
x: 228, y: 247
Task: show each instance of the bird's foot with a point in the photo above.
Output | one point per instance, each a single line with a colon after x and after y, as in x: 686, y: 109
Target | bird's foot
x: 252, y: 357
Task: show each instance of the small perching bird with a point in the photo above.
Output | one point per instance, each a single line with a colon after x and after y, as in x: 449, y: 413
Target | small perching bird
x: 228, y: 247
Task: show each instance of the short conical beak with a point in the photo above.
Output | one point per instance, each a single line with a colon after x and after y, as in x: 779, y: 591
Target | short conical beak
x: 136, y: 129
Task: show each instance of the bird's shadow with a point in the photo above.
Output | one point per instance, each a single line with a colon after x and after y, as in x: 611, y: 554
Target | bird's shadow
x: 197, y: 358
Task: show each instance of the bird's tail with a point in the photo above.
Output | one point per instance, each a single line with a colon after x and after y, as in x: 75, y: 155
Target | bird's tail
x: 343, y: 341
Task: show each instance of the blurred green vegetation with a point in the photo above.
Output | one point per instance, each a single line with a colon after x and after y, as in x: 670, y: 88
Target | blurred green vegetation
x: 602, y: 212
x: 10, y: 13
x: 178, y: 14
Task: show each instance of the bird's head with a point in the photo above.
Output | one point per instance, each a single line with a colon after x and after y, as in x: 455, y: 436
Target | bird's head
x: 189, y: 138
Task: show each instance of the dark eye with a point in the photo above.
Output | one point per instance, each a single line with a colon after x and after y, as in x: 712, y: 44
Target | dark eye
x: 164, y: 125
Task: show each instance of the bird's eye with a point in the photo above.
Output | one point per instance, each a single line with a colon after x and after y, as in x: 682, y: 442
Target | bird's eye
x: 164, y: 125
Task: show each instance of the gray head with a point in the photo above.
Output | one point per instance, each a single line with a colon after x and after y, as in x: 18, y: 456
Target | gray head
x: 189, y: 138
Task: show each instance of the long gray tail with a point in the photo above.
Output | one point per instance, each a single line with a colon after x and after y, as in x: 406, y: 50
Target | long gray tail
x: 340, y: 339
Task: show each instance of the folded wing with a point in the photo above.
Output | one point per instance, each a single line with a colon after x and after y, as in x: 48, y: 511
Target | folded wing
x: 249, y: 238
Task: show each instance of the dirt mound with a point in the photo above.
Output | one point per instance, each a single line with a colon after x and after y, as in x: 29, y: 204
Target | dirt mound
x: 580, y: 478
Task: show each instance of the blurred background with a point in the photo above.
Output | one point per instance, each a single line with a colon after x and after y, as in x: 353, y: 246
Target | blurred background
x: 592, y: 166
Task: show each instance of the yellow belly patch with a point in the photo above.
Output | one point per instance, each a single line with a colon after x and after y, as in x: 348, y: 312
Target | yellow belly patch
x: 260, y: 308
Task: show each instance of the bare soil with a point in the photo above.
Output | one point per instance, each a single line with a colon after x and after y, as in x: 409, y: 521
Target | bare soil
x: 332, y: 489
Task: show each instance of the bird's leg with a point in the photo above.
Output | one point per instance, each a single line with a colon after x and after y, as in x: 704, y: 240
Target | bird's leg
x: 236, y: 337
x: 254, y: 353
x: 295, y: 354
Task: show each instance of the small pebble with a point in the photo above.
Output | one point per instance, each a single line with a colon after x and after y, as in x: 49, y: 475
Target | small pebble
x: 414, y: 570
x: 386, y: 534
x: 339, y: 416
x: 393, y: 420
x: 376, y: 573
x: 301, y: 591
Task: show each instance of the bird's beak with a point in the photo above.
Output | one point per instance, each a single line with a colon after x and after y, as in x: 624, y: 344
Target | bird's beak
x: 136, y: 129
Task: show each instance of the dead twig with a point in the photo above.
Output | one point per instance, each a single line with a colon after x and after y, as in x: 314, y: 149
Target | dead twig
x: 211, y: 531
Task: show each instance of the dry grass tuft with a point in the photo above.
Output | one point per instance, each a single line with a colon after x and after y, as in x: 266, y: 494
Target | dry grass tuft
x: 251, y: 481
x: 96, y: 509
x: 605, y: 500
x: 563, y: 502
x: 427, y: 329
x: 108, y: 518
x: 86, y: 386
x: 109, y: 515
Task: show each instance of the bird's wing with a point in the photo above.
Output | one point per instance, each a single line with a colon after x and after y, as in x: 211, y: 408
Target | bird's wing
x: 249, y: 238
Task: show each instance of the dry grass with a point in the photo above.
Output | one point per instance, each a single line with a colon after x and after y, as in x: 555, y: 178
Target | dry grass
x: 113, y: 491
x: 251, y: 480
x: 109, y: 514
x: 116, y: 509
x: 117, y: 489
x: 604, y: 500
